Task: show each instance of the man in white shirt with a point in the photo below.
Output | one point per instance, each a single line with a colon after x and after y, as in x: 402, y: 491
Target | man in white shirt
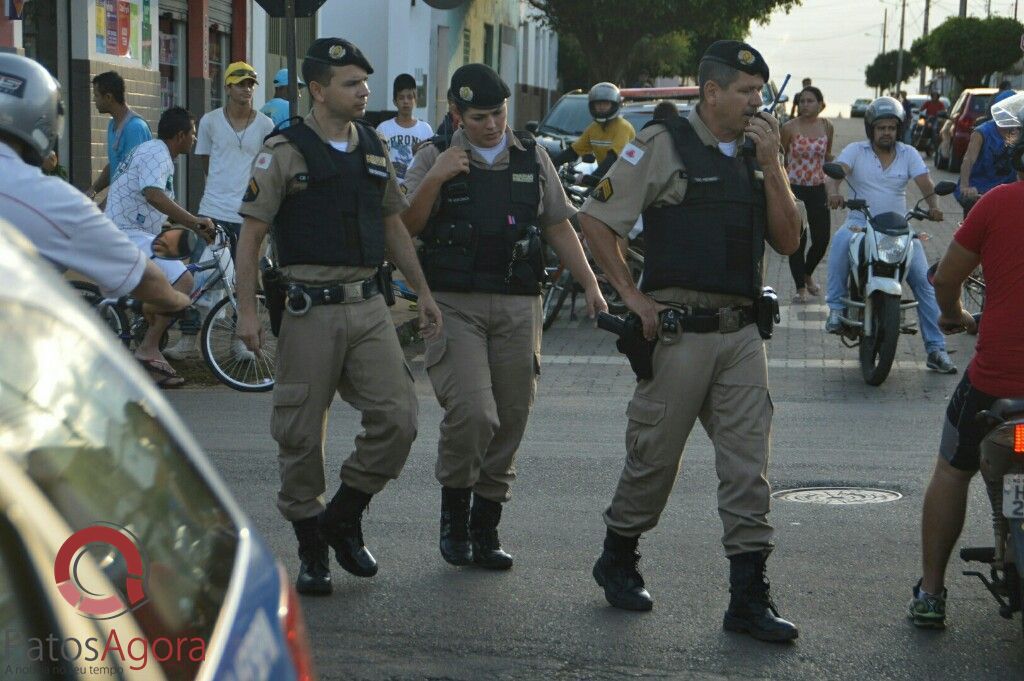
x: 229, y: 139
x: 66, y: 227
x: 140, y: 200
x: 404, y: 132
x: 879, y: 169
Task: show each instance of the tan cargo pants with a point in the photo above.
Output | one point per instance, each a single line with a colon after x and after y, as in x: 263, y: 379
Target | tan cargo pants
x: 721, y: 378
x: 484, y: 371
x: 351, y: 349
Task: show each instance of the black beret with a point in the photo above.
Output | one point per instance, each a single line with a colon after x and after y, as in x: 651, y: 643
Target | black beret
x: 738, y: 55
x: 479, y: 86
x: 337, y: 52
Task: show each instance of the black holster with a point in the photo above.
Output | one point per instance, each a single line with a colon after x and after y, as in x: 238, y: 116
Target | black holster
x: 384, y: 282
x: 766, y: 307
x: 631, y: 342
x: 274, y: 287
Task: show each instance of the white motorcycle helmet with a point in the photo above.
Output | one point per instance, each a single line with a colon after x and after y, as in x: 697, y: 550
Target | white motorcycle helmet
x: 1009, y: 112
x: 604, y: 92
x: 30, y: 106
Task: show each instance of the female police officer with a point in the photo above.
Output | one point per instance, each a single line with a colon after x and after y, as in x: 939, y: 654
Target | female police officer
x: 479, y: 207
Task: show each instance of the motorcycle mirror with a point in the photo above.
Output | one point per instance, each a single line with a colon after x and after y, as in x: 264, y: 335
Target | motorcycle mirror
x: 176, y: 243
x: 945, y: 188
x: 834, y: 170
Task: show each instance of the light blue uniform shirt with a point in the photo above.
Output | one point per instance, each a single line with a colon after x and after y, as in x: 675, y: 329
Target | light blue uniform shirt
x: 277, y: 109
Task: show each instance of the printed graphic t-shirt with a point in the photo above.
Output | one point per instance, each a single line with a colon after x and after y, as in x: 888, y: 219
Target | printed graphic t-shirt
x: 402, y: 140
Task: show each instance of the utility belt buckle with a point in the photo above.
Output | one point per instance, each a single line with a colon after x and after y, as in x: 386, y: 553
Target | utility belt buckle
x: 297, y: 301
x: 730, y: 319
x: 355, y: 292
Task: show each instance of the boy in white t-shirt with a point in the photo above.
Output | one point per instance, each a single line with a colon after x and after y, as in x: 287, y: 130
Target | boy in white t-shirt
x: 229, y: 139
x: 404, y: 132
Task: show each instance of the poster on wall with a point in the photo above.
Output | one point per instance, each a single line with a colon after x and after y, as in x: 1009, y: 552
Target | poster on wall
x: 147, y: 35
x: 118, y: 27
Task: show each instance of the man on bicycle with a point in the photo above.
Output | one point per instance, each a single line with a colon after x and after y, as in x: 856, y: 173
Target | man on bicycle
x: 65, y: 226
x: 140, y: 200
x: 990, y: 236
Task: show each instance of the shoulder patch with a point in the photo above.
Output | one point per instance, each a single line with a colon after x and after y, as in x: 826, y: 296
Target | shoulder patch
x: 632, y: 153
x: 252, y: 191
x: 603, y: 191
x: 263, y: 160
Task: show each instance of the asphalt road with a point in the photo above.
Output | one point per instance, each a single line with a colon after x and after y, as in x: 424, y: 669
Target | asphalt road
x: 842, y: 573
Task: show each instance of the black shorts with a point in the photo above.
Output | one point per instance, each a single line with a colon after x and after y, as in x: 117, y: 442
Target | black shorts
x: 961, y: 436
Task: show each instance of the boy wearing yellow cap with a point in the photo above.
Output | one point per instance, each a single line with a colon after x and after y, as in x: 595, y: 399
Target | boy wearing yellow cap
x: 228, y: 140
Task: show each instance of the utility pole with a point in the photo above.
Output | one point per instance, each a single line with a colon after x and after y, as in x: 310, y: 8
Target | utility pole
x: 885, y: 31
x: 899, y: 55
x: 988, y: 9
x: 927, y: 5
x: 963, y: 8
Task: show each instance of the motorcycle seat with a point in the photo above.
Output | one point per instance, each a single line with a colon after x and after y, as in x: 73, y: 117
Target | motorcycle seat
x: 1007, y: 408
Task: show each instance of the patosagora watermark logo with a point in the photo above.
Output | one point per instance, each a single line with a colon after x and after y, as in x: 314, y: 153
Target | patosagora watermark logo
x: 77, y: 593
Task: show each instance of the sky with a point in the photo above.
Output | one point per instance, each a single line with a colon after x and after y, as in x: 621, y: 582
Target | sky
x: 833, y: 41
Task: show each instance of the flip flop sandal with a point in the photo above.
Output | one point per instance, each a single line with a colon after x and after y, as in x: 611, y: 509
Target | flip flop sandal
x: 163, y: 374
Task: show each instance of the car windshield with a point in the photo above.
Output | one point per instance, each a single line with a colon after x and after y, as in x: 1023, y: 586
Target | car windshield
x: 638, y: 118
x: 90, y: 441
x: 570, y: 116
x: 979, y: 104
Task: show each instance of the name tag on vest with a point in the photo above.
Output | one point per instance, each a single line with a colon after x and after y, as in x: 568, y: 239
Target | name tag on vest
x: 522, y: 177
x: 705, y: 180
x: 377, y: 165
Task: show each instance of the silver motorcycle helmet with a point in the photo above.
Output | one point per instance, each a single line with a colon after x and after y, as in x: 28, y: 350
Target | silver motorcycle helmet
x: 30, y: 106
x: 604, y: 92
x: 1009, y: 112
x: 880, y: 109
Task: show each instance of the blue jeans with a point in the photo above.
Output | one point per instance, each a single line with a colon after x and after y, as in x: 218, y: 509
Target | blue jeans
x: 917, y: 278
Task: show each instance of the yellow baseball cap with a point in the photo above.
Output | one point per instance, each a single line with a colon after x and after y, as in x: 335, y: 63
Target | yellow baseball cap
x: 239, y: 71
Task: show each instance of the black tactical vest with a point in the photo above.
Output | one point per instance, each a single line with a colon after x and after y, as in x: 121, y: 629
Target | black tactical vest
x: 468, y: 245
x: 338, y: 219
x: 714, y: 240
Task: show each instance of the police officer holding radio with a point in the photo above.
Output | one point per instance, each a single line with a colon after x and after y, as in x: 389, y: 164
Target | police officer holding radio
x: 708, y: 210
x: 480, y: 208
x: 329, y: 190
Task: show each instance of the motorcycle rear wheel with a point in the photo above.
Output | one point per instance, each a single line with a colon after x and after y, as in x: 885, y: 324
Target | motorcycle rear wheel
x: 878, y: 350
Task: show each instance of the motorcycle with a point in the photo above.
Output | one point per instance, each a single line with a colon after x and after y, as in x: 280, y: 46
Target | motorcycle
x: 1002, y: 469
x: 880, y: 257
x: 924, y: 134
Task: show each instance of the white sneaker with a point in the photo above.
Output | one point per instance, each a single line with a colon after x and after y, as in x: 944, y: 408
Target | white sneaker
x: 240, y: 352
x: 183, y: 349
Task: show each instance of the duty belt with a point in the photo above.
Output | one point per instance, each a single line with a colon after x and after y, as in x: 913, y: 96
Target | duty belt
x: 301, y: 297
x: 708, y: 320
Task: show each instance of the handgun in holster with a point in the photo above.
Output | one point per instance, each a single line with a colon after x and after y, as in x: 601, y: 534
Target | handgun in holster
x: 766, y: 308
x: 384, y: 282
x: 631, y: 342
x: 274, y: 287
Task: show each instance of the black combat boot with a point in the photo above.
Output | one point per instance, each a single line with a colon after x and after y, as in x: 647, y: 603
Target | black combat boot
x: 314, y: 559
x: 751, y: 609
x: 455, y: 546
x: 483, y: 532
x: 341, y: 526
x: 616, y: 571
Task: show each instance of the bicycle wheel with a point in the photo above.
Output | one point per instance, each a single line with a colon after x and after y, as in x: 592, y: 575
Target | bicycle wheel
x: 226, y: 355
x: 113, y: 317
x: 555, y: 297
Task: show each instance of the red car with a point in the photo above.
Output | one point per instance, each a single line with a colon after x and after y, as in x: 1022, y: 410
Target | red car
x: 972, y: 104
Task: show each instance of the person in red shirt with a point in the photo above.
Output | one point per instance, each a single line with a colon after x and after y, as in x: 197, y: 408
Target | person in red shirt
x: 990, y: 236
x: 934, y: 106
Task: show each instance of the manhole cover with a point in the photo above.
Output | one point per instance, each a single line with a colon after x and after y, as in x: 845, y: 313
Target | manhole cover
x: 837, y: 496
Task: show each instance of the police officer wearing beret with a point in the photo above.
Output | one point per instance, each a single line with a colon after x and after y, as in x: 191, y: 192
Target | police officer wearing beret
x: 480, y: 207
x: 708, y: 210
x: 329, y: 190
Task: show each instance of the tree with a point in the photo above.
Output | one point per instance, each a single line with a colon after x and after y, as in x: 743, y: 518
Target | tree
x: 882, y: 72
x: 969, y: 48
x: 615, y: 36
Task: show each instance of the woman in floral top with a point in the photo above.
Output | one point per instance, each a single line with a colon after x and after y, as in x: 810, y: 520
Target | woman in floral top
x: 807, y: 140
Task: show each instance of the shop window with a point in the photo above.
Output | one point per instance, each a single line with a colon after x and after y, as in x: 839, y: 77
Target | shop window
x: 218, y: 64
